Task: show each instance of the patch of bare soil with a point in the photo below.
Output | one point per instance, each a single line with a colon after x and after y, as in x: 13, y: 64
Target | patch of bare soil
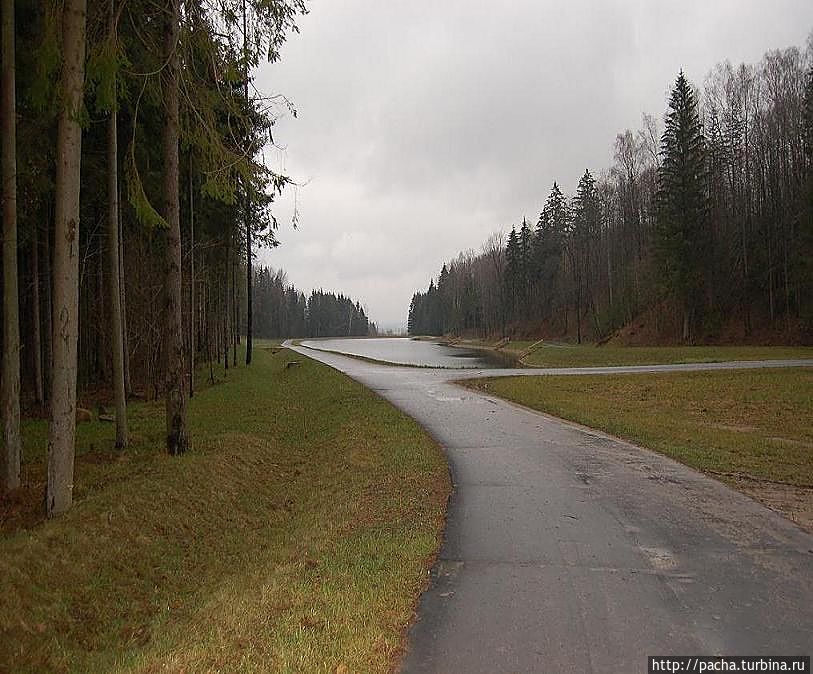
x: 23, y: 508
x: 795, y: 503
x: 660, y: 325
x: 657, y: 326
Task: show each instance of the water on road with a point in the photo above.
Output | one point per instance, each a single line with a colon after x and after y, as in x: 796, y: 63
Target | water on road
x: 406, y: 351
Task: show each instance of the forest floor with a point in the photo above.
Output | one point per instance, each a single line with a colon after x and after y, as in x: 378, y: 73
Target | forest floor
x: 554, y: 354
x: 296, y: 534
x: 752, y: 429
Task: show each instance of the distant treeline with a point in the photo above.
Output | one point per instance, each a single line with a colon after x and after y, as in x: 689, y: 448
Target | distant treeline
x: 702, y: 228
x: 282, y: 311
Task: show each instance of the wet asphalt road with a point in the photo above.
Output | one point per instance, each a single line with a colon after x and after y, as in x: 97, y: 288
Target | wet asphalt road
x: 567, y: 550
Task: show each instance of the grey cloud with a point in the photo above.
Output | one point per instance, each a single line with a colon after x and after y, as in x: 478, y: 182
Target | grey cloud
x: 425, y: 126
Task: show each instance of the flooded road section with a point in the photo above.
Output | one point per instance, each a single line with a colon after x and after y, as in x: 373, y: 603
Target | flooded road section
x: 406, y: 351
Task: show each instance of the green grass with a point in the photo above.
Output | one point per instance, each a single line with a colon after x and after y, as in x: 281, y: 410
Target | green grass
x: 756, y: 423
x: 588, y: 355
x: 294, y: 536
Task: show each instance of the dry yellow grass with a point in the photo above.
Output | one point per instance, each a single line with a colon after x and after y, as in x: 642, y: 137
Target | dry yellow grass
x: 294, y: 537
x: 757, y: 423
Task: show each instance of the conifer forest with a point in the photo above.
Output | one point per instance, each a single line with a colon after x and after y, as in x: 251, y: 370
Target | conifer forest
x: 134, y: 199
x: 282, y: 311
x: 700, y: 231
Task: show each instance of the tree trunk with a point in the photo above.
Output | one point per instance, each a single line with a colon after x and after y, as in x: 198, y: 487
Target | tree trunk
x: 101, y: 354
x: 579, y: 310
x: 207, y: 293
x: 47, y: 332
x: 787, y: 284
x: 770, y: 281
x: 610, y: 282
x: 191, y: 282
x: 119, y: 393
x: 217, y: 316
x: 10, y: 457
x: 226, y: 312
x: 687, y: 324
x: 36, y: 330
x: 237, y: 319
x: 249, y: 285
x: 66, y: 262
x: 125, y: 341
x: 175, y: 391
x: 235, y: 311
x: 247, y: 216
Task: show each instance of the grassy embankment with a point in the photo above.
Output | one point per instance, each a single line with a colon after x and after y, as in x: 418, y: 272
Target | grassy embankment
x: 295, y: 536
x: 745, y: 427
x: 549, y: 354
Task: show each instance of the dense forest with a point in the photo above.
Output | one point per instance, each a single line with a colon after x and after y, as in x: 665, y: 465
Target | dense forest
x: 280, y: 310
x: 134, y: 195
x: 701, y: 230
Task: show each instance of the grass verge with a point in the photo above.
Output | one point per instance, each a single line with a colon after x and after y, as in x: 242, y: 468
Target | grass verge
x: 748, y: 426
x: 588, y: 355
x: 294, y: 536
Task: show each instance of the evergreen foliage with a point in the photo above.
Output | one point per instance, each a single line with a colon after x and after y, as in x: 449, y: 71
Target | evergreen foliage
x: 682, y: 204
x: 549, y: 239
x: 583, y: 228
x: 281, y: 311
x: 694, y: 238
x: 513, y: 273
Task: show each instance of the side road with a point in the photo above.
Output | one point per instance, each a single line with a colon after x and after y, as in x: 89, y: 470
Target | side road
x: 568, y: 550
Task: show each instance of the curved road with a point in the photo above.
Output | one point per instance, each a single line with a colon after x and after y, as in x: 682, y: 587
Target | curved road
x: 567, y: 550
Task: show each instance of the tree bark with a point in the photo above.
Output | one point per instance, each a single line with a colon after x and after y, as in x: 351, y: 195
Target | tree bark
x: 235, y: 311
x: 125, y: 342
x: 36, y: 329
x: 48, y: 357
x: 62, y: 431
x: 101, y: 353
x: 10, y: 456
x: 226, y: 311
x: 192, y: 347
x: 247, y: 216
x: 175, y: 391
x: 249, y: 285
x: 207, y: 324
x: 119, y: 394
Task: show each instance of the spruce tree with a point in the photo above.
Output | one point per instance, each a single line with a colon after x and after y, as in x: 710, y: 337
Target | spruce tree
x: 444, y: 303
x: 681, y: 236
x: 548, y: 242
x: 550, y: 230
x: 525, y: 266
x: 584, y: 227
x: 512, y: 272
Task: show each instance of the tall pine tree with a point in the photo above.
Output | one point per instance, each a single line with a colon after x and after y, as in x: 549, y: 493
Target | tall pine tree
x: 512, y: 272
x: 681, y: 227
x: 525, y: 266
x: 584, y: 226
x: 548, y: 245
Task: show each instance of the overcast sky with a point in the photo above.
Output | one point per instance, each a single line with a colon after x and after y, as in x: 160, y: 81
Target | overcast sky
x: 423, y: 127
